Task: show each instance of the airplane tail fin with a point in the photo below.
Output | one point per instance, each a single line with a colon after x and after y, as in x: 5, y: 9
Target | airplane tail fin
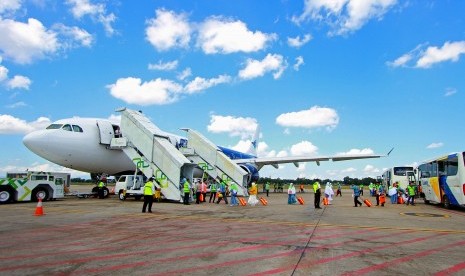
x: 254, y: 142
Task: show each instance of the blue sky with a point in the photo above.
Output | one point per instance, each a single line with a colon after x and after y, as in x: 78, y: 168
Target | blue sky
x: 321, y: 77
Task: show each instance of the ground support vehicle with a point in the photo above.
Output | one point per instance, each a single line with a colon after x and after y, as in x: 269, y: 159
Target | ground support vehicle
x: 34, y: 185
x: 130, y: 186
x: 443, y: 180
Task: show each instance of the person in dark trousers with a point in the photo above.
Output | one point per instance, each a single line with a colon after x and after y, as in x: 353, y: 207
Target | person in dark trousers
x: 149, y: 191
x: 187, y: 191
x: 101, y: 188
x: 213, y: 188
x: 411, y: 194
x: 267, y: 189
x: 356, y: 195
x: 317, y: 192
x: 222, y: 190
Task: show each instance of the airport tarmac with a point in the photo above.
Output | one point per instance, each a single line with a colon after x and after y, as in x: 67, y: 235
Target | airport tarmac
x: 112, y: 237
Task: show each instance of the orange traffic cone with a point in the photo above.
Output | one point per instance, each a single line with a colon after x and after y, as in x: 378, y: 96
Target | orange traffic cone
x: 39, y: 209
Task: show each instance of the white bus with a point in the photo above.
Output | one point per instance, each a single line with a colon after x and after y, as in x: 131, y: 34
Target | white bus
x: 402, y: 175
x: 443, y: 180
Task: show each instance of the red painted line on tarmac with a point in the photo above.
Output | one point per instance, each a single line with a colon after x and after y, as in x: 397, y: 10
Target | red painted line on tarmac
x: 343, y: 256
x: 453, y: 269
x: 235, y: 262
x: 403, y: 259
x: 174, y: 259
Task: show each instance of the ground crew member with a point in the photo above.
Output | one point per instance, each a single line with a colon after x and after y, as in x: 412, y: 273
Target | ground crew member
x: 411, y: 194
x: 223, y: 193
x: 101, y: 189
x: 187, y: 191
x: 267, y: 188
x: 361, y: 189
x: 213, y: 188
x: 149, y: 191
x: 317, y: 192
x: 356, y: 195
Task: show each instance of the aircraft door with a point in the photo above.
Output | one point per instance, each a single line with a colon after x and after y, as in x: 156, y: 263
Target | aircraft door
x: 105, y: 131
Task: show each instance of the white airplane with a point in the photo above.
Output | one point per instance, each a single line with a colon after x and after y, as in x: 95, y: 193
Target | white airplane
x: 76, y: 143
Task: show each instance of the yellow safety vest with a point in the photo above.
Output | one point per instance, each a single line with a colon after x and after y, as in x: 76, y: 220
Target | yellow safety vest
x: 148, y: 188
x: 186, y: 187
x: 315, y: 187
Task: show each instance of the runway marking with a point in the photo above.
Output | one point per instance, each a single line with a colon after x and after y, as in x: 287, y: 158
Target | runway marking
x: 452, y: 269
x: 340, y: 257
x: 427, y: 215
x: 303, y: 224
x: 403, y: 259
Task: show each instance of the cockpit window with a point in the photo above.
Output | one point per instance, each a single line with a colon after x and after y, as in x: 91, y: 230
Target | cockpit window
x: 54, y: 126
x: 77, y: 128
x: 67, y: 128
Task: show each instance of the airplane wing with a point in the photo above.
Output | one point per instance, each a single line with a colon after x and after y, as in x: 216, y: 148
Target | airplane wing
x: 275, y: 161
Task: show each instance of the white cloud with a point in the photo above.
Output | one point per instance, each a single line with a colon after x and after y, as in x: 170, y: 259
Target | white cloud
x: 401, y: 61
x: 3, y: 73
x: 311, y: 118
x: 426, y: 58
x: 19, y: 82
x: 168, y: 30
x: 450, y: 51
x: 450, y: 91
x: 200, y: 84
x: 72, y: 37
x: 9, y: 5
x: 133, y: 91
x: 13, y: 125
x: 185, y: 74
x: 220, y: 35
x: 298, y: 42
x: 81, y: 8
x: 349, y: 170
x: 25, y: 42
x: 167, y: 66
x: 16, y: 105
x: 370, y: 169
x: 304, y: 148
x: 435, y: 145
x: 344, y: 16
x: 256, y: 68
x: 365, y: 151
x: 298, y: 62
x: 235, y: 126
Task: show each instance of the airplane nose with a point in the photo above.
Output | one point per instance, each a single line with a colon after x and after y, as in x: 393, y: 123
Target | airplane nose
x: 34, y: 141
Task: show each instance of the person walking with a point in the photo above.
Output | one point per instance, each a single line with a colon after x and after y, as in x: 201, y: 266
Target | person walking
x: 411, y: 194
x: 234, y: 189
x: 393, y: 193
x: 361, y: 189
x: 339, y: 190
x: 356, y: 195
x: 253, y: 195
x: 222, y: 190
x: 317, y: 193
x: 302, y: 188
x: 291, y: 194
x: 213, y: 189
x: 187, y: 191
x: 204, y: 190
x: 267, y: 189
x: 149, y: 191
x: 198, y: 191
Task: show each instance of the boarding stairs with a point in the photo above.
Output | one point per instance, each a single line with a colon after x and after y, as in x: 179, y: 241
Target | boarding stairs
x: 212, y: 161
x: 153, y: 153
